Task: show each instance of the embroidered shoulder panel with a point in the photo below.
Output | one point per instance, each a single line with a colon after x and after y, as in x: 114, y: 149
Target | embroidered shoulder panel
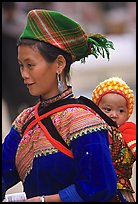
x: 71, y: 123
x: 22, y: 118
x: 75, y: 122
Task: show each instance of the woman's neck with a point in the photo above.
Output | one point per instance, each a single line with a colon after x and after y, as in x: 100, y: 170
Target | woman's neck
x: 66, y: 93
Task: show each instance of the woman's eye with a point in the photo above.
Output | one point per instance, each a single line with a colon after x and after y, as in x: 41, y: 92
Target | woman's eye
x: 29, y: 65
x: 20, y: 65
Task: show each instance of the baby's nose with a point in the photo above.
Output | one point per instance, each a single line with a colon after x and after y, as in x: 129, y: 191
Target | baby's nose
x: 114, y: 114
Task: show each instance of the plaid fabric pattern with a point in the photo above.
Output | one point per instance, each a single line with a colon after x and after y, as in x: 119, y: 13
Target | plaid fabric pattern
x: 58, y: 30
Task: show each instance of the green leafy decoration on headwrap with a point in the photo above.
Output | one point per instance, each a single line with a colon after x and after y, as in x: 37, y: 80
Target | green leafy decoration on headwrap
x: 98, y: 44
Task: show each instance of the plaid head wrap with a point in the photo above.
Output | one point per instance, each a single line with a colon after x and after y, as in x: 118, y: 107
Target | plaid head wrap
x: 59, y: 30
x: 114, y: 85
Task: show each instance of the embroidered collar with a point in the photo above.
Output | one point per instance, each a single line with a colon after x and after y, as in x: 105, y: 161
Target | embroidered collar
x: 66, y: 94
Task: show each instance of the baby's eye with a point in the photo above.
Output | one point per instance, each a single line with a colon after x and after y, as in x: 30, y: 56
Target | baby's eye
x: 108, y: 109
x: 121, y: 111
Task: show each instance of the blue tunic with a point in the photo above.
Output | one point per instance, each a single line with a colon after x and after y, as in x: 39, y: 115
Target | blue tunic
x: 88, y: 177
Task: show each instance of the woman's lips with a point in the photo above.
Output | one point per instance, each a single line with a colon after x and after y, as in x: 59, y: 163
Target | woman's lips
x: 29, y: 85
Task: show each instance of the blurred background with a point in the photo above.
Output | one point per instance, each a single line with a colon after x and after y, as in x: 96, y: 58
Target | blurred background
x: 116, y: 20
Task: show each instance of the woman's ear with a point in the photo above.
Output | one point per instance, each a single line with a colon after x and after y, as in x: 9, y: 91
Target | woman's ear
x: 61, y: 63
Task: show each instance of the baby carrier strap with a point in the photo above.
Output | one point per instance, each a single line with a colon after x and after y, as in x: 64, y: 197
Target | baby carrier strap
x: 42, y: 109
x: 80, y: 100
x: 93, y: 106
x: 47, y: 124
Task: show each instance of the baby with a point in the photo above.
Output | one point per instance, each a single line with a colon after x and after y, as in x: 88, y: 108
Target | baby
x: 115, y: 98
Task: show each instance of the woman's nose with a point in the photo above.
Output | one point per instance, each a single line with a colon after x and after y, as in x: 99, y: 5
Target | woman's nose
x: 24, y: 74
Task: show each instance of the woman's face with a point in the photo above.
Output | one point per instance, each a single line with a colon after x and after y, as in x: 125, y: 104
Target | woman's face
x: 115, y: 106
x: 38, y: 74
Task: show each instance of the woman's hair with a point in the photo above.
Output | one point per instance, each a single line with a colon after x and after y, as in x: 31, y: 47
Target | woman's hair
x: 49, y: 52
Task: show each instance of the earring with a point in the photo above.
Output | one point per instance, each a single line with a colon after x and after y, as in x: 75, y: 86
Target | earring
x: 60, y: 84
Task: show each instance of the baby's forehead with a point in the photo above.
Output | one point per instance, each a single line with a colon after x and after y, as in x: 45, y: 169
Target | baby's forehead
x: 114, y: 97
x: 114, y: 94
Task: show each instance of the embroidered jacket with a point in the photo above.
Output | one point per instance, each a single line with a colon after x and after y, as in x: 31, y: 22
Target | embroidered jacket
x: 44, y: 170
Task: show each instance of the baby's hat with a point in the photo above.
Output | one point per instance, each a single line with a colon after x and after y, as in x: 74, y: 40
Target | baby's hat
x: 114, y: 85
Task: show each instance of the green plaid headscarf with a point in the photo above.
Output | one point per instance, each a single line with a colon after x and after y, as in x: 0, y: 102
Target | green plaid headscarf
x: 59, y: 30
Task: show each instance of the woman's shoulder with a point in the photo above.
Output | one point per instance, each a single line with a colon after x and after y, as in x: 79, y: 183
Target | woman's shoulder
x: 84, y: 114
x: 22, y: 118
x: 78, y: 119
x: 79, y: 113
x: 85, y: 117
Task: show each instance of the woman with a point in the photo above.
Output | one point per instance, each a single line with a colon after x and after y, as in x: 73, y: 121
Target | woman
x: 49, y: 44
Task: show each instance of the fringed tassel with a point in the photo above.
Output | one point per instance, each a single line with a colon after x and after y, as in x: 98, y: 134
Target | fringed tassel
x: 98, y: 44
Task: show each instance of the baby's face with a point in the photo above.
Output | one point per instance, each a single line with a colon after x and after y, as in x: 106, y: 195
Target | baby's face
x: 115, y: 106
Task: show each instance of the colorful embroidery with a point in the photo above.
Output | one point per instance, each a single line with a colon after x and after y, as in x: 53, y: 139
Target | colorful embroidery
x: 71, y: 124
x: 23, y: 118
x: 75, y: 122
x: 122, y: 158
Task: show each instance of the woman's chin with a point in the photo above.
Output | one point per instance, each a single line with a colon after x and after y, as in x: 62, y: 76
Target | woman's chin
x: 33, y: 93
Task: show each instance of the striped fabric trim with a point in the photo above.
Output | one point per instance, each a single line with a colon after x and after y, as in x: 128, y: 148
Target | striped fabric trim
x: 134, y: 150
x: 132, y: 146
x: 45, y: 28
x: 133, y: 142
